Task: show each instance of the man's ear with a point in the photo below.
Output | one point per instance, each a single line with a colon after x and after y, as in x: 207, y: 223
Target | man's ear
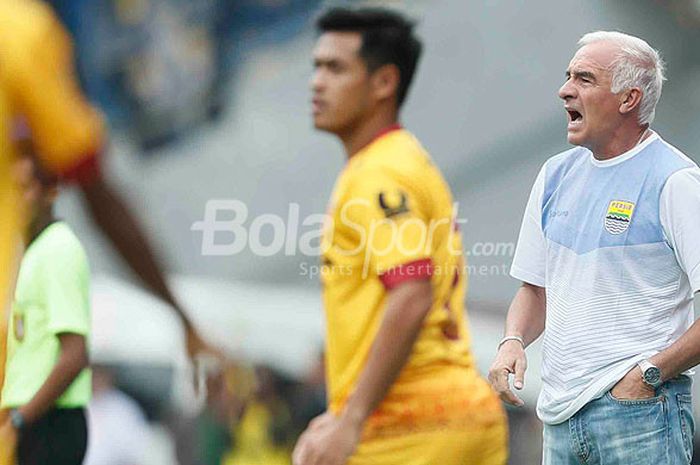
x: 385, y: 81
x: 630, y: 100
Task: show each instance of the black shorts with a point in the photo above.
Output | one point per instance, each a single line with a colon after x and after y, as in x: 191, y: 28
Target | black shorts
x: 57, y: 438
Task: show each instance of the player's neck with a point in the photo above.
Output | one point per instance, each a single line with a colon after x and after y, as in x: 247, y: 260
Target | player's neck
x: 358, y: 137
x: 622, y: 142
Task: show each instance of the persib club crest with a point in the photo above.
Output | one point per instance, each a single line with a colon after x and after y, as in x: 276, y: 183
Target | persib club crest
x: 618, y: 217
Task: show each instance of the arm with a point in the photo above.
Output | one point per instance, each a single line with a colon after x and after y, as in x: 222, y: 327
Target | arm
x: 111, y: 214
x: 679, y: 211
x: 67, y: 132
x: 407, y: 306
x: 526, y: 319
x: 681, y: 355
x: 526, y: 315
x: 680, y: 218
x: 330, y: 440
x: 71, y: 362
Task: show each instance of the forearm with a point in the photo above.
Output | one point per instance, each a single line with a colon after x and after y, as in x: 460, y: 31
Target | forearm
x: 681, y: 355
x: 406, y: 309
x: 116, y: 221
x: 526, y: 315
x: 71, y: 362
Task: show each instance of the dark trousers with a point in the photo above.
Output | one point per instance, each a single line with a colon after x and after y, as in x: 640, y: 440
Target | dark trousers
x: 57, y: 438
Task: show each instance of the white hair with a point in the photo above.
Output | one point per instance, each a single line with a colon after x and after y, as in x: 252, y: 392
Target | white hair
x: 637, y: 65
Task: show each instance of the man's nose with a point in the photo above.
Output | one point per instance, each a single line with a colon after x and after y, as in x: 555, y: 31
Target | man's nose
x: 316, y: 81
x: 567, y: 90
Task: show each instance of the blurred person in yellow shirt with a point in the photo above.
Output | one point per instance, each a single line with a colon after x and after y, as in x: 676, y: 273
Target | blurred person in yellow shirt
x: 402, y: 383
x: 66, y: 131
x: 263, y: 431
x: 41, y: 103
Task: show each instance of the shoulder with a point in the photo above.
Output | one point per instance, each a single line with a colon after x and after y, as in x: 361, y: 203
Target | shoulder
x: 30, y: 33
x: 564, y: 161
x: 555, y: 169
x: 683, y: 181
x: 60, y: 243
x: 669, y: 158
x: 398, y: 158
x: 26, y: 20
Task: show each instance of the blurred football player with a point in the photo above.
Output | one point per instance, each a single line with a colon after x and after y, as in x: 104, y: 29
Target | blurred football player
x: 39, y: 94
x: 402, y: 383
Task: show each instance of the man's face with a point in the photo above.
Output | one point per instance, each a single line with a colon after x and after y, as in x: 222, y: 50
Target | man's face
x: 340, y: 82
x: 45, y: 189
x: 593, y: 111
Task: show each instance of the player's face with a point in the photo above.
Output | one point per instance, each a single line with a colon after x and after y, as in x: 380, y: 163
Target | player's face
x: 340, y: 83
x: 592, y: 109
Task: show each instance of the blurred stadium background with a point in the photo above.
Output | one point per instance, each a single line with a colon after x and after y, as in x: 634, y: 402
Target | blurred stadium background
x: 209, y: 99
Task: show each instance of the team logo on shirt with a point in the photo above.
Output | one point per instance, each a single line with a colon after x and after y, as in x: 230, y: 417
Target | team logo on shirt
x: 393, y: 203
x: 18, y: 324
x: 618, y: 217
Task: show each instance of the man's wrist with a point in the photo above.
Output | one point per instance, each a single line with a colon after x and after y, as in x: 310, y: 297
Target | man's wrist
x: 652, y: 375
x: 660, y: 361
x: 354, y: 415
x: 514, y: 338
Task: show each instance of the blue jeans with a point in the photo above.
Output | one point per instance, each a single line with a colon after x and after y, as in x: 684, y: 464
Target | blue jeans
x: 608, y: 431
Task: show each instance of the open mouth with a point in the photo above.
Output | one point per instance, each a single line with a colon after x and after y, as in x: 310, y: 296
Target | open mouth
x: 574, y: 116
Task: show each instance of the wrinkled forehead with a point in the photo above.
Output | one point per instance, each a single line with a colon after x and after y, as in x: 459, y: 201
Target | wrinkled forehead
x: 597, y: 57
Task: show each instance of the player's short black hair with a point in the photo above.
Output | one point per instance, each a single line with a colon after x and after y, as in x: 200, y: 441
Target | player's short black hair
x: 387, y: 38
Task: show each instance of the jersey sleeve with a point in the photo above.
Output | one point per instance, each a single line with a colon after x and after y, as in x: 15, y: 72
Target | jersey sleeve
x: 65, y: 275
x: 679, y: 211
x: 529, y: 261
x: 67, y: 132
x: 392, y: 225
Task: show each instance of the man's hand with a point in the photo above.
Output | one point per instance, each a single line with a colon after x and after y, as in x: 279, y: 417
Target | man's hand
x: 328, y: 440
x: 201, y: 355
x: 510, y: 359
x: 8, y: 440
x: 632, y: 387
x: 196, y: 345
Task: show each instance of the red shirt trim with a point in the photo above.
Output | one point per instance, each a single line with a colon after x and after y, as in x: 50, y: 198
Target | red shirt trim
x: 83, y: 172
x: 387, y: 130
x: 412, y: 271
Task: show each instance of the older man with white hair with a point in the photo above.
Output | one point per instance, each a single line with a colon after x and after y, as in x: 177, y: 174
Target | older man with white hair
x: 609, y: 257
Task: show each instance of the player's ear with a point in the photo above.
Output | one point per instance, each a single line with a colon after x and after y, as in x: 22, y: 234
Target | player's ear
x: 630, y: 99
x: 385, y: 81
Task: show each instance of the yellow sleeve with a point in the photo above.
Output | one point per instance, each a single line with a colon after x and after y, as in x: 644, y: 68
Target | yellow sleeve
x: 390, y: 217
x: 67, y: 132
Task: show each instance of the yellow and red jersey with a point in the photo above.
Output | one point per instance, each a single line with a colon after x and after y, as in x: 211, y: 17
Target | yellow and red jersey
x: 38, y: 86
x: 391, y: 219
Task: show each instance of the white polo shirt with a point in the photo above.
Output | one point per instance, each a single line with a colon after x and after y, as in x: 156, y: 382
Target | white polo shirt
x: 616, y: 244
